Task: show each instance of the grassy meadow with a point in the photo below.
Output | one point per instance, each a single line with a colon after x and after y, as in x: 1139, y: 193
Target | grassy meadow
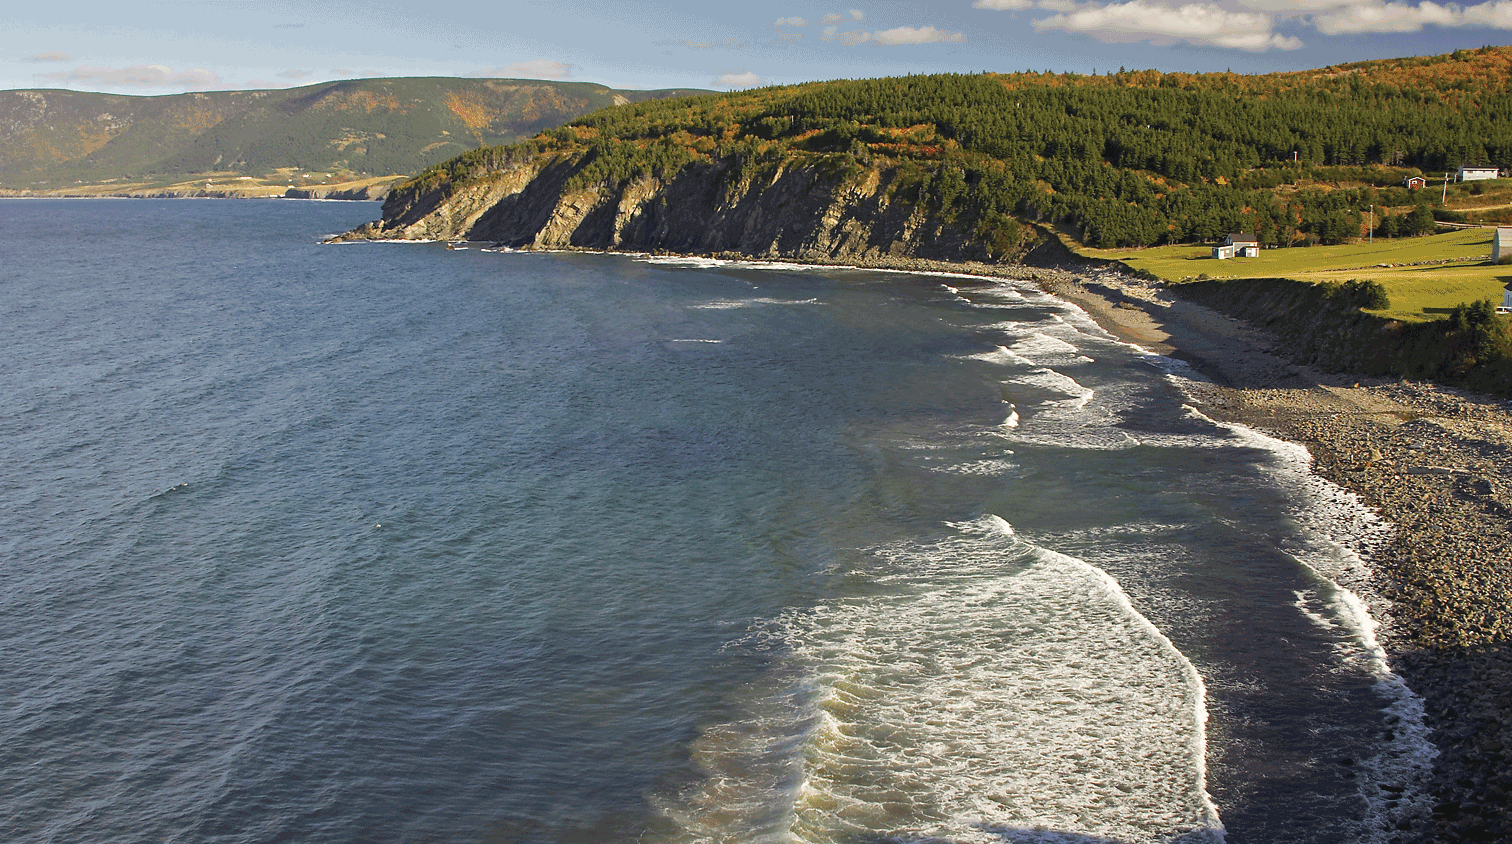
x: 1461, y: 272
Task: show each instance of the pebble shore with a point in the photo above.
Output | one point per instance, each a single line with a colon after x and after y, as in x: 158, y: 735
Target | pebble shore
x: 1436, y: 463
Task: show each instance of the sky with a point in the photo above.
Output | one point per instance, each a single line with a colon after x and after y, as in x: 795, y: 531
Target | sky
x: 171, y: 47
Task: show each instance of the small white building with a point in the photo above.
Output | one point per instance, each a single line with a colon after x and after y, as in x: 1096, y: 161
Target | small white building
x: 1501, y: 243
x: 1506, y: 305
x: 1238, y: 245
x: 1470, y: 174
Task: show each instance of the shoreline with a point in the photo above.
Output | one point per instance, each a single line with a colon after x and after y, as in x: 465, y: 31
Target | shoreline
x: 323, y: 193
x: 238, y: 198
x: 1433, y: 461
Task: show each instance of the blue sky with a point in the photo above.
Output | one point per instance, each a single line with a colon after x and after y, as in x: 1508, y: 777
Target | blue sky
x: 170, y: 47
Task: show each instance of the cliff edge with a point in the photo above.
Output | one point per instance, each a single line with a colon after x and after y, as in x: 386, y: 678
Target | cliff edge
x: 827, y: 208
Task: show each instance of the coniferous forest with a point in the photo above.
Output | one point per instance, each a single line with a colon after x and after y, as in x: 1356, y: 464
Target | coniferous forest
x: 1127, y: 158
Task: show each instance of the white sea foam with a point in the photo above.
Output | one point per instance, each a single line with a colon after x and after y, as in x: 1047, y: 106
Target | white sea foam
x: 731, y: 304
x: 1337, y: 529
x: 1051, y: 381
x: 997, y: 687
x: 1045, y: 349
x: 1049, y: 407
x: 711, y: 263
x: 1002, y: 355
x: 681, y: 261
x: 386, y: 240
x: 984, y: 690
x: 993, y: 467
x: 1055, y: 387
x: 1005, y: 292
x: 1168, y: 365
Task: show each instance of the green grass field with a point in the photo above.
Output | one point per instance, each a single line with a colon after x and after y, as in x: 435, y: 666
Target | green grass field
x: 1417, y: 292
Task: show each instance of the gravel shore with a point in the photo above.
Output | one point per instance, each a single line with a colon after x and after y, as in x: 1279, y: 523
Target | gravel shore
x: 1435, y: 462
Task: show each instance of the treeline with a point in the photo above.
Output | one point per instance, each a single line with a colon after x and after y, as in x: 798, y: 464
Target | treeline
x: 1126, y: 158
x: 1326, y: 325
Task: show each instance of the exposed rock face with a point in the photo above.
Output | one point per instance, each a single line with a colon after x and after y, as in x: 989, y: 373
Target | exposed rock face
x: 811, y: 211
x: 365, y: 192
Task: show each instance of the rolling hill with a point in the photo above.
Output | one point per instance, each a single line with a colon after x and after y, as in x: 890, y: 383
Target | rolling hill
x: 1126, y: 159
x: 53, y: 140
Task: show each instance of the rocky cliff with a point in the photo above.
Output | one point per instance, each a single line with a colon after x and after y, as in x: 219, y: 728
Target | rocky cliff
x: 827, y: 208
x: 361, y: 192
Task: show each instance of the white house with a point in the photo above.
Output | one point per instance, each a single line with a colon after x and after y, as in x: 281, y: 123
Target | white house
x: 1238, y: 245
x: 1501, y: 243
x: 1470, y: 174
x: 1506, y: 305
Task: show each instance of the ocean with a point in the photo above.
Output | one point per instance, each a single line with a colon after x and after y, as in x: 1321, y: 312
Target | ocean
x: 398, y: 543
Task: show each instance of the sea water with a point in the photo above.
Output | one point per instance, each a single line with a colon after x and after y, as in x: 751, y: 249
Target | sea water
x: 384, y: 542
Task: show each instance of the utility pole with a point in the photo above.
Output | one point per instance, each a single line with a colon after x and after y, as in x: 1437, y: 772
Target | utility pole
x: 1445, y: 197
x: 1370, y: 233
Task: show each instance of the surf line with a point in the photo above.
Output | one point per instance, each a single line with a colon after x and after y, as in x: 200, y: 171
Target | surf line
x: 989, y: 688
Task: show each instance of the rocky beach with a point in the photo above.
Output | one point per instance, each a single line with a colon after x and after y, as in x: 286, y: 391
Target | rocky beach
x: 1434, y: 462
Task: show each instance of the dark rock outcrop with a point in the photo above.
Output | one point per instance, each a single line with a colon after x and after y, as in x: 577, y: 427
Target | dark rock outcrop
x: 363, y: 193
x: 807, y: 210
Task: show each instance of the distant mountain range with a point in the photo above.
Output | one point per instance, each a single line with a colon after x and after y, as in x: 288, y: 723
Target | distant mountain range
x: 59, y: 140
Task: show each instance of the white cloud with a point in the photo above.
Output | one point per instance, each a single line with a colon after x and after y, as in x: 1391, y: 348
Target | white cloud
x: 790, y: 36
x: 1197, y: 23
x: 1291, y: 7
x: 533, y: 69
x: 1384, y: 17
x: 1496, y: 14
x: 739, y: 78
x: 793, y: 21
x: 136, y: 76
x: 852, y: 15
x: 892, y: 37
x: 1247, y: 24
x: 47, y: 57
x: 1375, y: 16
x: 911, y: 35
x: 293, y: 73
x: 1389, y: 15
x: 706, y: 45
